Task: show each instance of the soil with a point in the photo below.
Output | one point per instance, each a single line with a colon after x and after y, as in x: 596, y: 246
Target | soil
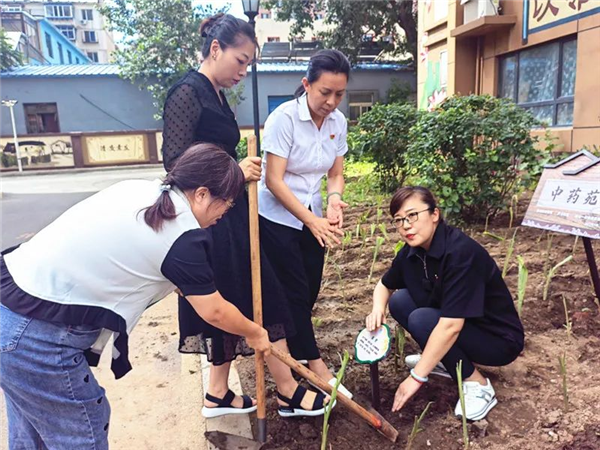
x: 530, y: 414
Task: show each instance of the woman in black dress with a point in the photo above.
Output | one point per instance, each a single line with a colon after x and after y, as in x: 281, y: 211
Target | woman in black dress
x: 196, y: 110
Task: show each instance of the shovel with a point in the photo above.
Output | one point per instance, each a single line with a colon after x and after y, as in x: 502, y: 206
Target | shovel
x: 227, y: 441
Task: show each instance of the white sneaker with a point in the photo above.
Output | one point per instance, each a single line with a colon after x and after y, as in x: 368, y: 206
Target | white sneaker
x: 479, y: 400
x: 412, y: 360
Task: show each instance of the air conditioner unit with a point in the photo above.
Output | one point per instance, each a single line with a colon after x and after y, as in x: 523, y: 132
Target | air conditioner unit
x: 474, y: 9
x: 83, y: 22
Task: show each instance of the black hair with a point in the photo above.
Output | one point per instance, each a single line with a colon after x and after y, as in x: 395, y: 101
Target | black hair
x: 404, y: 193
x: 228, y: 30
x: 332, y: 61
x: 201, y: 165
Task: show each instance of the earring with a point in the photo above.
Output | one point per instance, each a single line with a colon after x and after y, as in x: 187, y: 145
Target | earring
x: 214, y: 56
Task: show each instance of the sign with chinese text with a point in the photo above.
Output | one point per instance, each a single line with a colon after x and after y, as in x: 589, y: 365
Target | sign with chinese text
x: 567, y: 198
x: 372, y: 346
x: 540, y: 15
x: 115, y: 149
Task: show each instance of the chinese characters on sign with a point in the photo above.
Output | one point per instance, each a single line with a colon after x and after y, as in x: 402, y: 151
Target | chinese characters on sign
x: 372, y: 346
x: 112, y: 149
x: 543, y: 14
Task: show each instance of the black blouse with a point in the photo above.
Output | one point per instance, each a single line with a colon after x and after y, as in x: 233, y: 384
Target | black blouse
x: 195, y: 113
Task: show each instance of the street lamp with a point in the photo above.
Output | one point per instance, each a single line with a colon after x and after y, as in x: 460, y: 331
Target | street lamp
x: 10, y: 104
x: 251, y: 10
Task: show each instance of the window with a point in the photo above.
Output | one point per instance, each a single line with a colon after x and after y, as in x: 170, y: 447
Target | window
x: 265, y: 15
x: 49, y: 45
x: 12, y: 8
x: 59, y: 11
x: 90, y: 36
x: 41, y: 118
x: 319, y: 16
x: 273, y: 39
x: 76, y: 60
x: 60, y: 53
x: 443, y: 68
x: 93, y: 56
x: 276, y: 100
x: 87, y: 14
x: 67, y: 31
x: 542, y: 80
x: 69, y: 57
x: 359, y: 103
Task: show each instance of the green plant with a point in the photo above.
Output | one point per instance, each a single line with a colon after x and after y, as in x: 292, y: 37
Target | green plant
x: 329, y: 406
x: 522, y: 285
x: 316, y: 321
x: 399, y: 350
x: 416, y: 429
x: 378, y: 243
x: 346, y: 240
x: 399, y: 92
x: 509, y: 252
x: 10, y: 57
x: 373, y: 228
x: 548, y: 250
x: 568, y: 323
x: 399, y: 246
x: 562, y: 362
x: 461, y: 395
x: 575, y: 245
x: 476, y: 152
x: 242, y: 149
x: 382, y: 134
x: 383, y: 230
x: 551, y: 274
x: 363, y: 236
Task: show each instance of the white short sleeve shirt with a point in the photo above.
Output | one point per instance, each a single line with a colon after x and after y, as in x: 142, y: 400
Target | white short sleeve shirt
x: 291, y: 133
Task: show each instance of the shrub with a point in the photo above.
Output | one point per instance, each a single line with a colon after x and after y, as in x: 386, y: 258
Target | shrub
x: 382, y: 134
x: 242, y: 149
x: 475, y: 153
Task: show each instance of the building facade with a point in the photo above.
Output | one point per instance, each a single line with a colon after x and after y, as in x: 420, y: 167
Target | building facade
x: 78, y: 20
x: 542, y: 54
x: 269, y: 29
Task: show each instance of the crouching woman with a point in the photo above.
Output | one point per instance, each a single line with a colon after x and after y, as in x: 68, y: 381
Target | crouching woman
x: 448, y: 293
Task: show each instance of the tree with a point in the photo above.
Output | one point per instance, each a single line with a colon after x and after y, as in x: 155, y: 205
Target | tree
x: 9, y: 57
x: 351, y: 19
x: 161, y: 40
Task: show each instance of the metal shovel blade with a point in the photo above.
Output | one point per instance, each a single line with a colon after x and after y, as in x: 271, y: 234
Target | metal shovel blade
x: 227, y: 441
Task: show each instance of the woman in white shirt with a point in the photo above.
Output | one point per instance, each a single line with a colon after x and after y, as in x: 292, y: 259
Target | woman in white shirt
x: 305, y: 140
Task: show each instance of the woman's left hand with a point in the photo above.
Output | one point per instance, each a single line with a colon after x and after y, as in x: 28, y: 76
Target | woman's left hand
x: 335, y: 210
x: 405, y: 391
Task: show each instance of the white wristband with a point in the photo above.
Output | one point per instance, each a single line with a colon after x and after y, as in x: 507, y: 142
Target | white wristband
x: 417, y: 377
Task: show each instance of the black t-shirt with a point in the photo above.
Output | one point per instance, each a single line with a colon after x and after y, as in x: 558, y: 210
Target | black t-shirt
x: 460, y: 278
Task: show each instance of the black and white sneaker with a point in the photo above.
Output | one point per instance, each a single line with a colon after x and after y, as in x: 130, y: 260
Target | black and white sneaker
x: 479, y: 400
x: 439, y: 370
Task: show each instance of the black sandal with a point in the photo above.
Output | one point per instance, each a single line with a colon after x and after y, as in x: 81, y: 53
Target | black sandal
x: 295, y: 410
x: 224, y: 405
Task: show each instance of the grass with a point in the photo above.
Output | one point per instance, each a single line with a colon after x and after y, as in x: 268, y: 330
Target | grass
x: 416, y: 429
x: 562, y: 362
x: 329, y: 406
x: 552, y: 273
x: 461, y: 395
x: 522, y: 284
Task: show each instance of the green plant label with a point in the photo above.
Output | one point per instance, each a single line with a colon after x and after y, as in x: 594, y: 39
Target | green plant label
x: 372, y: 346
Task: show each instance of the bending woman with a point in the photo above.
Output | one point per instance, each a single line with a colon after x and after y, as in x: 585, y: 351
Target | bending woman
x: 448, y: 293
x: 196, y: 110
x: 305, y: 140
x: 91, y: 274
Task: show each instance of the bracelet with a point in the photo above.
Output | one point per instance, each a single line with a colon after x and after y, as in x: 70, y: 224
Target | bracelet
x: 418, y: 378
x: 334, y: 193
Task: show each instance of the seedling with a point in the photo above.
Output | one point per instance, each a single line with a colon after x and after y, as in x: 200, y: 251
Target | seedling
x: 383, y: 230
x: 495, y: 236
x: 575, y: 245
x: 373, y: 228
x: 562, y: 361
x: 461, y: 395
x: 378, y: 243
x: 416, y: 429
x: 399, y: 350
x: 551, y: 274
x: 548, y: 248
x: 568, y: 323
x: 363, y: 237
x: 522, y: 286
x: 398, y: 247
x: 317, y: 322
x: 509, y: 252
x: 326, y: 257
x: 346, y: 240
x: 379, y: 214
x: 329, y: 406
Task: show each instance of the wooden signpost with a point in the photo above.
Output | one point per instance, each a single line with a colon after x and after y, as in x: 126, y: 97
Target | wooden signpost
x: 567, y: 200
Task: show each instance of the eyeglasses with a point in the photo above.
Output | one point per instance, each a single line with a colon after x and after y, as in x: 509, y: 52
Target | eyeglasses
x: 410, y: 218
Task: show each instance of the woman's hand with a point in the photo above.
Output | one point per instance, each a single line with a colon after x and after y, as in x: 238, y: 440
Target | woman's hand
x: 259, y: 341
x: 324, y: 231
x: 251, y: 166
x: 375, y: 319
x: 405, y: 391
x: 335, y: 210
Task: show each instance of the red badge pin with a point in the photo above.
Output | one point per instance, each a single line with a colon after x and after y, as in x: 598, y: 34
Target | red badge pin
x: 332, y: 136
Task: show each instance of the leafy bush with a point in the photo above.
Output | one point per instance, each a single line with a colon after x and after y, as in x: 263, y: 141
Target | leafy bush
x: 400, y: 92
x: 242, y: 149
x: 475, y: 153
x: 382, y: 134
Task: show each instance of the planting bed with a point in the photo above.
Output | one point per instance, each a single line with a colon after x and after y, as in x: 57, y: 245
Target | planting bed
x: 530, y: 414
